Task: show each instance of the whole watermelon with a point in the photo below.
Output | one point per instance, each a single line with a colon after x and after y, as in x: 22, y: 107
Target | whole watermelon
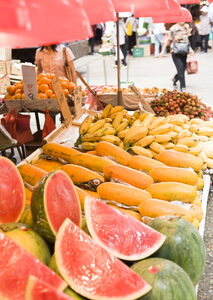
x: 183, y: 245
x: 168, y: 280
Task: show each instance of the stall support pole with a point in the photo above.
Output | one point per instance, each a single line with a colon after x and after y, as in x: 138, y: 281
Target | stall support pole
x: 119, y: 95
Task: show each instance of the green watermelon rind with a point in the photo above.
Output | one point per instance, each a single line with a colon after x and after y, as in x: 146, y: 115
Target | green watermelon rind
x: 40, y: 219
x: 38, y: 246
x: 21, y: 181
x: 76, y: 288
x: 189, y: 253
x: 170, y: 283
x: 88, y: 203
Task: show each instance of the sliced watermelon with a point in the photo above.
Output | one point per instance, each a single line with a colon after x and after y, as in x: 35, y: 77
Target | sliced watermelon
x: 53, y: 200
x: 120, y: 234
x: 91, y: 271
x: 39, y: 290
x: 12, y: 200
x: 16, y: 264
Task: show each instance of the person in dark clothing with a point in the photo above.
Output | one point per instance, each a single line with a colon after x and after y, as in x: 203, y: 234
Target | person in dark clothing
x: 194, y: 35
x: 92, y: 40
x: 132, y: 38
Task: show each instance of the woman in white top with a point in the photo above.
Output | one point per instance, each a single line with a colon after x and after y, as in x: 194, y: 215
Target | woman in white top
x: 122, y: 36
x: 132, y: 38
x: 158, y: 31
x: 50, y: 59
x: 204, y: 28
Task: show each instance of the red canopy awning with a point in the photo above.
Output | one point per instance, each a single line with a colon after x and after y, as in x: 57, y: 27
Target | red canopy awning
x: 189, y: 1
x: 133, y: 5
x: 186, y: 17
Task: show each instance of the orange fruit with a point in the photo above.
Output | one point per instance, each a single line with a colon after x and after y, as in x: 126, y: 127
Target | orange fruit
x: 18, y: 91
x: 49, y: 93
x: 49, y: 76
x: 7, y: 96
x: 18, y: 86
x: 22, y: 96
x: 45, y: 80
x: 13, y: 97
x: 53, y: 96
x: 21, y: 81
x: 41, y: 76
x: 64, y: 84
x: 83, y: 93
x: 10, y: 89
x: 66, y: 92
x: 43, y: 88
x: 18, y: 96
x: 42, y: 96
x: 71, y: 86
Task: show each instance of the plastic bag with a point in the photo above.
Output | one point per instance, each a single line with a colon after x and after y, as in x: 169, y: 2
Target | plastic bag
x: 192, y: 65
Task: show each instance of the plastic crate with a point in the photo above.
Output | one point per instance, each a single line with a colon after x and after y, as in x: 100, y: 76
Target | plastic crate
x: 138, y: 52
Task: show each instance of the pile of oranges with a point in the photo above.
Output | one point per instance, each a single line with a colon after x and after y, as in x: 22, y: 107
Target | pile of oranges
x: 45, y: 89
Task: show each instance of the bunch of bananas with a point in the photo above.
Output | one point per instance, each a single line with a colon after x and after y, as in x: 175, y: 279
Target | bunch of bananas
x: 147, y: 134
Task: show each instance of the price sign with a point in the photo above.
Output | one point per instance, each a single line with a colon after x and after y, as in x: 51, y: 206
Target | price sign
x: 29, y: 80
x: 62, y: 102
x: 78, y: 102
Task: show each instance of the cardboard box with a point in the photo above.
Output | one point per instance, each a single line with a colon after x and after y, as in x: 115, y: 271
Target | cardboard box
x: 30, y: 83
x: 138, y: 51
x: 4, y: 82
x: 5, y: 54
x: 3, y: 70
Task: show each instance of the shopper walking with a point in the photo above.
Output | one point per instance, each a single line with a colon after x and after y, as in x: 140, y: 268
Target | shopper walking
x: 159, y: 32
x: 131, y: 29
x: 179, y: 43
x: 204, y: 28
x: 50, y: 59
x: 122, y: 35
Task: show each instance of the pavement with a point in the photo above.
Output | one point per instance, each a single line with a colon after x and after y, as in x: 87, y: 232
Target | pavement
x: 146, y: 72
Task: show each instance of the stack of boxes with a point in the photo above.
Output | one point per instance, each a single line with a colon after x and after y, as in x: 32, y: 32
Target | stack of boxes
x: 143, y: 47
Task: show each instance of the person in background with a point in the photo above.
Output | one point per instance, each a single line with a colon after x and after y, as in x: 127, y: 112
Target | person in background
x: 204, y: 28
x: 158, y: 30
x: 179, y: 32
x: 122, y: 35
x: 92, y: 40
x: 132, y: 38
x: 50, y: 59
x: 194, y: 35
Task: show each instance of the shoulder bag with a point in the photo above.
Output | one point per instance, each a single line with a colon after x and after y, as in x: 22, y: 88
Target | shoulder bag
x: 66, y: 65
x: 181, y: 48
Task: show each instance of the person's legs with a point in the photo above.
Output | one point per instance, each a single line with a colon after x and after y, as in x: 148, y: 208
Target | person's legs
x: 157, y: 45
x: 206, y: 41
x: 201, y: 43
x: 123, y: 49
x: 129, y: 45
x: 180, y: 64
x: 133, y: 39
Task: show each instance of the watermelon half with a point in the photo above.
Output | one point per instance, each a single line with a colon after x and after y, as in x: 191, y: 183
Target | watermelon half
x: 16, y: 264
x: 12, y: 200
x: 91, y: 271
x: 39, y: 290
x: 53, y: 200
x: 120, y: 234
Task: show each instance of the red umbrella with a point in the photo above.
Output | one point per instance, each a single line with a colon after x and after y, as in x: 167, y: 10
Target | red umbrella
x: 186, y: 17
x: 174, y: 9
x: 38, y: 22
x: 99, y: 11
x: 189, y: 1
x: 132, y: 5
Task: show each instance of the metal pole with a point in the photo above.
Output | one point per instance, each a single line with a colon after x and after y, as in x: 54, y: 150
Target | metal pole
x: 105, y: 73
x: 119, y: 95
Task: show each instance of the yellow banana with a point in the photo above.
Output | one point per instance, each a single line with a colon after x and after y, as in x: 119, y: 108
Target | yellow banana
x: 158, y: 148
x: 162, y: 138
x: 194, y: 127
x: 161, y: 129
x: 155, y: 154
x: 173, y: 134
x: 185, y: 133
x: 85, y: 124
x: 122, y: 126
x: 123, y: 133
x: 196, y: 121
x: 98, y: 125
x: 88, y: 146
x: 121, y: 145
x: 186, y: 126
x: 109, y: 131
x: 143, y: 116
x: 131, y: 121
x: 157, y: 121
x: 107, y: 110
x: 107, y: 125
x: 145, y: 141
x: 111, y: 139
x: 136, y: 114
x: 97, y: 116
x: 177, y: 128
x: 207, y: 131
x: 117, y: 120
x: 127, y: 115
x: 168, y: 145
x: 194, y: 151
x: 209, y: 163
x: 205, y: 159
x: 190, y: 142
x: 147, y: 121
x: 136, y: 123
x: 115, y: 110
x: 142, y: 151
x: 177, y: 120
x: 203, y: 138
x: 181, y: 148
x: 135, y: 134
x: 91, y: 137
x: 207, y: 124
x: 108, y: 120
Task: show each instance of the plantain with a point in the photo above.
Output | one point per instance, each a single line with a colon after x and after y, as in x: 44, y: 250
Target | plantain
x: 106, y: 111
x: 110, y: 131
x: 96, y: 126
x: 158, y: 148
x: 161, y: 129
x: 135, y: 134
x: 123, y: 133
x: 142, y: 151
x: 145, y: 141
x: 85, y: 124
x: 91, y: 137
x: 122, y: 126
x: 88, y: 146
x: 162, y: 138
x: 111, y: 139
x: 117, y: 120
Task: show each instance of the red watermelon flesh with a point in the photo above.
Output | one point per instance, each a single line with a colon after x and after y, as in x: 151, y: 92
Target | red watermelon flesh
x: 39, y: 290
x: 61, y: 201
x: 92, y: 271
x: 12, y: 199
x: 120, y: 234
x: 16, y: 265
